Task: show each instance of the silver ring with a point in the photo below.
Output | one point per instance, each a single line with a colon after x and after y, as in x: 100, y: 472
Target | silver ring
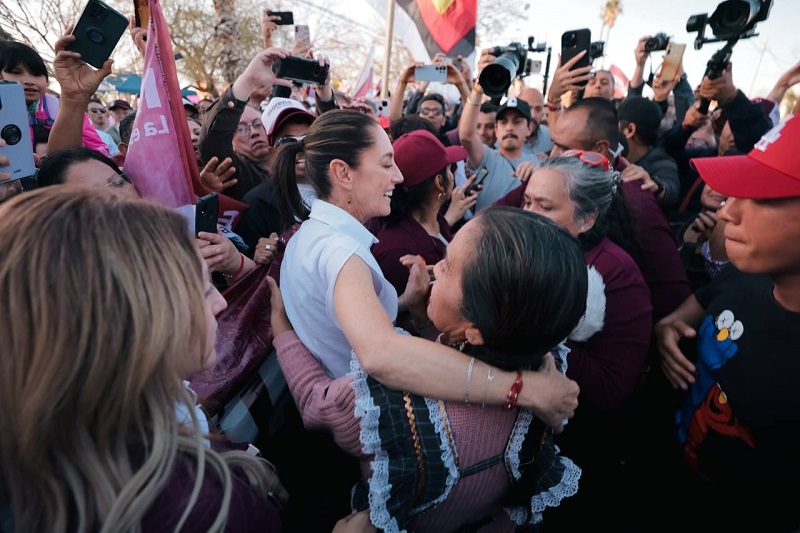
x: 268, y: 247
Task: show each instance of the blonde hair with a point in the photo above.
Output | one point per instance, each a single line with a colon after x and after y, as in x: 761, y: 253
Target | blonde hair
x: 100, y: 297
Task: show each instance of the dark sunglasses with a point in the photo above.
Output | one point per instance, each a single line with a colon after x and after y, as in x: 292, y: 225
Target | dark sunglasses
x: 288, y: 139
x: 97, y: 109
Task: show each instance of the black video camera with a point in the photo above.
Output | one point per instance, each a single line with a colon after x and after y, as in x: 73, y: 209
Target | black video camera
x: 731, y: 21
x: 657, y: 43
x: 509, y: 64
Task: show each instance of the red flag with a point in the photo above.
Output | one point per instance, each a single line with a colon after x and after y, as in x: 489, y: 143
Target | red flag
x: 621, y: 82
x: 160, y: 159
x: 445, y: 25
x: 364, y: 83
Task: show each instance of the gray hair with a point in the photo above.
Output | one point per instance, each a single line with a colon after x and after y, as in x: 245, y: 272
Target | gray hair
x: 590, y: 188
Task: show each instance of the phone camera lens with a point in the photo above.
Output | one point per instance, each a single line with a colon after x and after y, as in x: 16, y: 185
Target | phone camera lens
x: 11, y: 134
x: 570, y: 40
x: 95, y: 35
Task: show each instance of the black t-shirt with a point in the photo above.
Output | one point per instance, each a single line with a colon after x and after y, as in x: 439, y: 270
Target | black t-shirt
x: 740, y: 423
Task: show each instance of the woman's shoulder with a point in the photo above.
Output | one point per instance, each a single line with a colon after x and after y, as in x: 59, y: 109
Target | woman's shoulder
x: 612, y: 262
x: 247, y: 510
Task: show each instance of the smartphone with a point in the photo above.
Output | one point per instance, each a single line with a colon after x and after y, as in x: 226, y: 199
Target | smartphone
x: 302, y: 34
x: 482, y: 173
x: 382, y: 105
x: 206, y: 213
x: 97, y: 32
x: 572, y: 43
x: 672, y: 61
x: 457, y: 64
x: 15, y: 131
x: 431, y: 73
x: 141, y: 13
x: 286, y: 17
x: 300, y: 69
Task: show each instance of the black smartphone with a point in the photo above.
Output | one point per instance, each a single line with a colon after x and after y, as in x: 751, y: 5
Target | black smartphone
x: 572, y: 43
x: 99, y: 29
x: 15, y: 131
x: 286, y: 17
x: 300, y: 69
x: 206, y: 213
x: 482, y: 173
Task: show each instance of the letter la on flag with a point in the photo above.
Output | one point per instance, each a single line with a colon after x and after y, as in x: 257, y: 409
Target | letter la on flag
x: 160, y: 160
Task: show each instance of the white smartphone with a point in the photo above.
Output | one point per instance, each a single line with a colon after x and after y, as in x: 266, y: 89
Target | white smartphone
x: 431, y: 73
x: 382, y: 105
x: 302, y: 34
x: 15, y: 131
x: 672, y: 60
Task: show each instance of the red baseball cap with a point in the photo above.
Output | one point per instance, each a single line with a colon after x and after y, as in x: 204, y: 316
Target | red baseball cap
x: 420, y: 155
x: 770, y: 170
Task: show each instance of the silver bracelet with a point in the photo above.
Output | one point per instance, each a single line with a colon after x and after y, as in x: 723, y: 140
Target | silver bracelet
x: 469, y: 379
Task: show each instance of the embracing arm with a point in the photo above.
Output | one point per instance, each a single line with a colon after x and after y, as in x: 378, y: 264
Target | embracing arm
x: 430, y: 369
x: 323, y: 402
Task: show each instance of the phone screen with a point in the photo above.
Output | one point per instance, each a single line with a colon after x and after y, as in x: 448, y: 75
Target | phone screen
x: 481, y: 176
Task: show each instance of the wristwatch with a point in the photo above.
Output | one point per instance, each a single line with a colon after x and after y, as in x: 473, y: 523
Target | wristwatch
x: 660, y: 185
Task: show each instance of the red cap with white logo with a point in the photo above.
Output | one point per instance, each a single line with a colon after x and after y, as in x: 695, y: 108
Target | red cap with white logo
x: 770, y: 170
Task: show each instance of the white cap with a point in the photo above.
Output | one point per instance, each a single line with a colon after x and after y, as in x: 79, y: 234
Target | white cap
x: 279, y: 109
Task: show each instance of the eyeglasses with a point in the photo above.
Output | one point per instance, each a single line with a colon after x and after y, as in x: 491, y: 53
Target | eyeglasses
x: 433, y: 111
x: 244, y: 129
x: 289, y: 139
x: 97, y: 110
x: 117, y: 181
x: 590, y: 158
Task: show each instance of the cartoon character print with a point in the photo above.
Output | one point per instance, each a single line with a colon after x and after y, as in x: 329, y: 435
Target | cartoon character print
x: 716, y: 346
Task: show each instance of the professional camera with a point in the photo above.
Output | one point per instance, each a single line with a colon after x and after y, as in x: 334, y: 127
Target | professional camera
x: 731, y: 21
x: 596, y: 49
x: 509, y: 64
x: 657, y: 43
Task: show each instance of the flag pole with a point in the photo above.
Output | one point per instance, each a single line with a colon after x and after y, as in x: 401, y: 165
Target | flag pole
x: 388, y: 55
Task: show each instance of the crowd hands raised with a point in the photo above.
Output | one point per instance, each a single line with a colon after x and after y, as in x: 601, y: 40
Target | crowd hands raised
x: 548, y: 280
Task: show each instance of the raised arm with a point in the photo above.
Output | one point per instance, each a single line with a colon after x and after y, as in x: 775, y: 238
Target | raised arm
x: 430, y: 369
x: 78, y: 83
x: 396, y: 100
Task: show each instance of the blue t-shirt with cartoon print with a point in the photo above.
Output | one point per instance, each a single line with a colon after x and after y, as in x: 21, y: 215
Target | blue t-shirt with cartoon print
x: 739, y: 425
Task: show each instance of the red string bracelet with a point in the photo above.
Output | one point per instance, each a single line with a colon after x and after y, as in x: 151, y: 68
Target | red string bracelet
x: 238, y: 270
x: 513, y: 393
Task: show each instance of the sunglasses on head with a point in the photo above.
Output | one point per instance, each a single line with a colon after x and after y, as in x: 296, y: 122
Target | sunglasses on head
x: 594, y: 159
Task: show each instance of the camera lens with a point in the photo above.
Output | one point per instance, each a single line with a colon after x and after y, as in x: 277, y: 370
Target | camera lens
x: 95, y: 35
x: 570, y: 40
x: 11, y: 134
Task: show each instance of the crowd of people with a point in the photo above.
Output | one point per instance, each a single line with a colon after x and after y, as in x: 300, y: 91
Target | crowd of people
x: 520, y: 313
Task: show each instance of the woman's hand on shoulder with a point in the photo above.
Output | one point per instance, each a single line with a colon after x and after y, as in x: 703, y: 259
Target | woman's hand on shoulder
x: 551, y: 395
x: 278, y: 318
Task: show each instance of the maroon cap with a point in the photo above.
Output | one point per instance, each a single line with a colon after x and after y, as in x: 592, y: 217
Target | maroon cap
x: 420, y: 155
x: 770, y: 170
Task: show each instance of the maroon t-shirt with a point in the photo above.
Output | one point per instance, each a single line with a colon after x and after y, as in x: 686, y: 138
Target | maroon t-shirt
x: 404, y: 238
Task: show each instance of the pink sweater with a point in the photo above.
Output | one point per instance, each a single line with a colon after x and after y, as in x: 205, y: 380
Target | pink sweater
x: 479, y: 433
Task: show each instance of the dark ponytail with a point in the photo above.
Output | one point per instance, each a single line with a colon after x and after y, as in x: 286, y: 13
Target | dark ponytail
x: 282, y: 170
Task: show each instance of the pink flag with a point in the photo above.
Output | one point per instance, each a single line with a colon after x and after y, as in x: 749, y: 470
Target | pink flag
x: 364, y: 83
x: 621, y: 82
x: 160, y: 159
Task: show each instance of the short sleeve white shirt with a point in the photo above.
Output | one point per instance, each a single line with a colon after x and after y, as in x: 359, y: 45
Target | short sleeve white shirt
x: 311, y: 264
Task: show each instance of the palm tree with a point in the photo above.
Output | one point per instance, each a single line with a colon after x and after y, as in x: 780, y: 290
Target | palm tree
x: 227, y: 34
x: 611, y: 10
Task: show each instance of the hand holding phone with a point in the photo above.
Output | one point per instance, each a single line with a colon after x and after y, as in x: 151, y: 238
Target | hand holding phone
x: 286, y: 17
x: 97, y: 32
x: 572, y: 43
x: 672, y: 61
x: 301, y: 70
x: 436, y: 73
x: 482, y: 173
x: 206, y: 214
